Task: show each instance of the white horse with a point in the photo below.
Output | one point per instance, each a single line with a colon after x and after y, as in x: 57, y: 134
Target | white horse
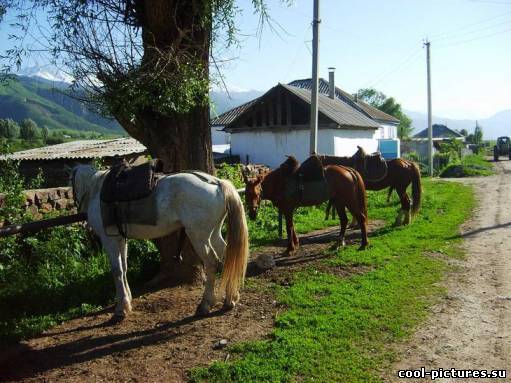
x: 184, y: 200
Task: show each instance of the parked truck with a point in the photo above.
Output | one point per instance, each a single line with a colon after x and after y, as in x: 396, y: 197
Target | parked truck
x: 503, y: 148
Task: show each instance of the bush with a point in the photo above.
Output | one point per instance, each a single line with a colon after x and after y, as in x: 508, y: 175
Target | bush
x: 469, y: 166
x: 232, y: 173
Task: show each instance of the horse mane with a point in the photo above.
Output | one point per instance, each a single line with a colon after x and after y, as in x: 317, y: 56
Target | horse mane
x: 289, y: 166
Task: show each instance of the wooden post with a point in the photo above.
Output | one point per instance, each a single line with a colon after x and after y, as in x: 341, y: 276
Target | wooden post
x: 34, y: 226
x: 280, y: 224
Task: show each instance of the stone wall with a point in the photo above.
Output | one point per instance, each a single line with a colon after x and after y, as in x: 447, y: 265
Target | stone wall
x: 41, y: 201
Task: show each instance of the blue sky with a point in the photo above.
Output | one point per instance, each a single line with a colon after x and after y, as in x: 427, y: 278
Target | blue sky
x: 379, y: 43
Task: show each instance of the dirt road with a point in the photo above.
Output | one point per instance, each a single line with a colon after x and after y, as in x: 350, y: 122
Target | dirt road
x: 471, y: 327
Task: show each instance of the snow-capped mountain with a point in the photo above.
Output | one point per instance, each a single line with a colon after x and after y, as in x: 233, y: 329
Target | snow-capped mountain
x: 47, y: 72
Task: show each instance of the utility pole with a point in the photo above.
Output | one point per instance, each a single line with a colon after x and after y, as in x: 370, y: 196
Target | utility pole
x: 430, y: 116
x: 315, y: 85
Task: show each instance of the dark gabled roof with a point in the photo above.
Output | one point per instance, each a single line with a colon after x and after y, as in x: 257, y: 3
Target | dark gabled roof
x: 229, y: 116
x: 439, y: 131
x: 336, y: 110
x: 360, y: 105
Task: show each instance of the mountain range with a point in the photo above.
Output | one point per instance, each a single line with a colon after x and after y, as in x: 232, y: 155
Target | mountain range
x: 495, y: 126
x: 49, y: 104
x: 43, y: 96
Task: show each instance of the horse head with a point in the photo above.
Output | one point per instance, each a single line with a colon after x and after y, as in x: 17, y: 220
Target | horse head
x: 253, y: 195
x: 81, y: 184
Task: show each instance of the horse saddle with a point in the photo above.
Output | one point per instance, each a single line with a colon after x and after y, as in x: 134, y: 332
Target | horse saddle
x: 373, y: 167
x: 308, y: 183
x: 127, y: 183
x: 126, y: 197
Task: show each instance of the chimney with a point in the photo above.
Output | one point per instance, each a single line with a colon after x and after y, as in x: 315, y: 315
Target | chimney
x: 331, y: 83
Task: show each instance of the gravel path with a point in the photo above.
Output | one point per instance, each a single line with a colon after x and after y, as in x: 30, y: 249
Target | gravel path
x: 471, y: 327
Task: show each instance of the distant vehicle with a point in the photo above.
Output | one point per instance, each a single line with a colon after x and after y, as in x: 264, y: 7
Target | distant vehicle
x: 503, y: 148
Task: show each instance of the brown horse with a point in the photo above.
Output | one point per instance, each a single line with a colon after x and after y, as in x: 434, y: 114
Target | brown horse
x: 292, y: 185
x: 400, y: 174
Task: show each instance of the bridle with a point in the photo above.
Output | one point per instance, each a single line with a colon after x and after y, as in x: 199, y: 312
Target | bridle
x: 78, y: 202
x: 259, y: 197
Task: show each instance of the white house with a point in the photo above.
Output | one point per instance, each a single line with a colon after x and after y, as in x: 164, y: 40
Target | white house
x: 276, y: 124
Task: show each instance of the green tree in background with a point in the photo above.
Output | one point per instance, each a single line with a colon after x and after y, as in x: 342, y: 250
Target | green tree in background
x: 464, y: 132
x: 9, y: 129
x: 387, y: 105
x: 478, y: 134
x: 29, y: 130
x: 45, y: 132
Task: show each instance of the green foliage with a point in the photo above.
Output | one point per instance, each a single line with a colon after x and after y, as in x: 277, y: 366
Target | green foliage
x: 342, y: 329
x: 11, y: 187
x: 45, y: 132
x: 453, y: 147
x: 469, y: 166
x: 478, y: 135
x: 9, y: 129
x: 404, y: 129
x: 388, y: 105
x: 29, y: 130
x: 232, y: 173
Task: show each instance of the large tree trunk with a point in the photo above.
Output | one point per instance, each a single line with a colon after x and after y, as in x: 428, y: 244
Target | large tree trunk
x: 181, y: 140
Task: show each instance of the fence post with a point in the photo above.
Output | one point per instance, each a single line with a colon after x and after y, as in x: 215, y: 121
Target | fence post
x: 280, y: 224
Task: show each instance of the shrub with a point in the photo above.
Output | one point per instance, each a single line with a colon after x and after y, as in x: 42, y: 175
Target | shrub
x: 232, y: 173
x: 469, y: 166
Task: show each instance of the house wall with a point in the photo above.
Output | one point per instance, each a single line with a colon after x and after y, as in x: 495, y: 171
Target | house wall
x: 271, y: 147
x: 387, y: 131
x: 218, y: 137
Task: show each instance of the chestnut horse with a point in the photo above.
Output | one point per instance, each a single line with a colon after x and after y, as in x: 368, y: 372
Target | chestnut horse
x: 400, y: 174
x: 344, y: 187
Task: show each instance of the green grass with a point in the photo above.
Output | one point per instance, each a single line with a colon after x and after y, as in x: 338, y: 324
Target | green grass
x: 469, y: 166
x: 342, y: 329
x: 264, y: 230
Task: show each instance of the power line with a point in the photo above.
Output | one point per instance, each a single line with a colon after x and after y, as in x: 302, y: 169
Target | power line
x: 394, y: 69
x: 454, y: 36
x: 474, y: 39
x: 468, y: 26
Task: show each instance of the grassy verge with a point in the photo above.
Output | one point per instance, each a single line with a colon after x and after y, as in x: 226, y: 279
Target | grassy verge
x: 341, y: 329
x: 470, y: 166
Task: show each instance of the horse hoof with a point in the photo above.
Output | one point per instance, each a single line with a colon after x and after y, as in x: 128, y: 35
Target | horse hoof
x: 228, y: 305
x: 363, y: 247
x: 202, y: 311
x: 117, y: 318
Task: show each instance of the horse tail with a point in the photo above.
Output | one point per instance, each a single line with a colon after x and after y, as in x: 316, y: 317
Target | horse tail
x: 416, y: 189
x: 236, y: 252
x: 360, y: 189
x: 361, y: 193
